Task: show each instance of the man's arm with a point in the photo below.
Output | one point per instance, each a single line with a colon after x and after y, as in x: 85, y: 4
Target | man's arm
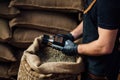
x: 102, y: 46
x: 77, y: 31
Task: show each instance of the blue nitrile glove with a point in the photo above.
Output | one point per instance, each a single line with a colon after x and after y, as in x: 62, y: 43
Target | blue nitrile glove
x: 70, y: 48
x: 68, y: 36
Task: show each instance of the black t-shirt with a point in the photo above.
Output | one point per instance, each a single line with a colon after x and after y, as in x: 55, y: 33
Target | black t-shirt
x: 104, y: 14
x: 108, y: 12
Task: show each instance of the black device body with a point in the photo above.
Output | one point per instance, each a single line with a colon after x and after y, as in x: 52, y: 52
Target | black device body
x: 56, y: 41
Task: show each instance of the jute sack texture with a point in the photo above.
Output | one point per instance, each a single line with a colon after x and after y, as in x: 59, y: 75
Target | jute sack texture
x: 5, y: 32
x: 5, y: 70
x: 23, y: 37
x: 6, y: 53
x: 6, y: 11
x: 45, y: 63
x: 10, y: 69
x: 57, y: 5
x: 52, y: 22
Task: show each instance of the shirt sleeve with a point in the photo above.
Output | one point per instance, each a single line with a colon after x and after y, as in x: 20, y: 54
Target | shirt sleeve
x: 108, y: 14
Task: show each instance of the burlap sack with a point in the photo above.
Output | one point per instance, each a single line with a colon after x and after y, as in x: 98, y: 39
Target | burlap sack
x: 8, y: 70
x: 44, y: 63
x: 23, y: 37
x: 7, y: 12
x: 3, y: 70
x: 6, y: 53
x: 5, y: 32
x: 119, y: 76
x: 51, y: 22
x: 59, y: 5
x: 14, y: 67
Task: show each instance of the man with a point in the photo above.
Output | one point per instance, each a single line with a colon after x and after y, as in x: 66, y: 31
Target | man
x: 99, y: 28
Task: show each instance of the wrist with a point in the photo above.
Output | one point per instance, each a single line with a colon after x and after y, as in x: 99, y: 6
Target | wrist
x: 71, y: 37
x: 79, y: 49
x: 76, y: 50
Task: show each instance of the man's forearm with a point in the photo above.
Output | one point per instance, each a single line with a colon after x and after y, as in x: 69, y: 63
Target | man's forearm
x: 77, y: 31
x: 91, y: 49
x: 102, y: 46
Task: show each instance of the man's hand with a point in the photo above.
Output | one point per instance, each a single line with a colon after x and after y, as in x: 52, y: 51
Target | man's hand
x: 67, y: 36
x: 70, y: 48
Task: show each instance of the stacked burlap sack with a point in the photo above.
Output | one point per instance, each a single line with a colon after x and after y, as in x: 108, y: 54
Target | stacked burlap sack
x: 30, y: 24
x: 6, y: 11
x: 41, y: 62
x: 9, y: 61
x: 43, y: 17
x: 38, y: 17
